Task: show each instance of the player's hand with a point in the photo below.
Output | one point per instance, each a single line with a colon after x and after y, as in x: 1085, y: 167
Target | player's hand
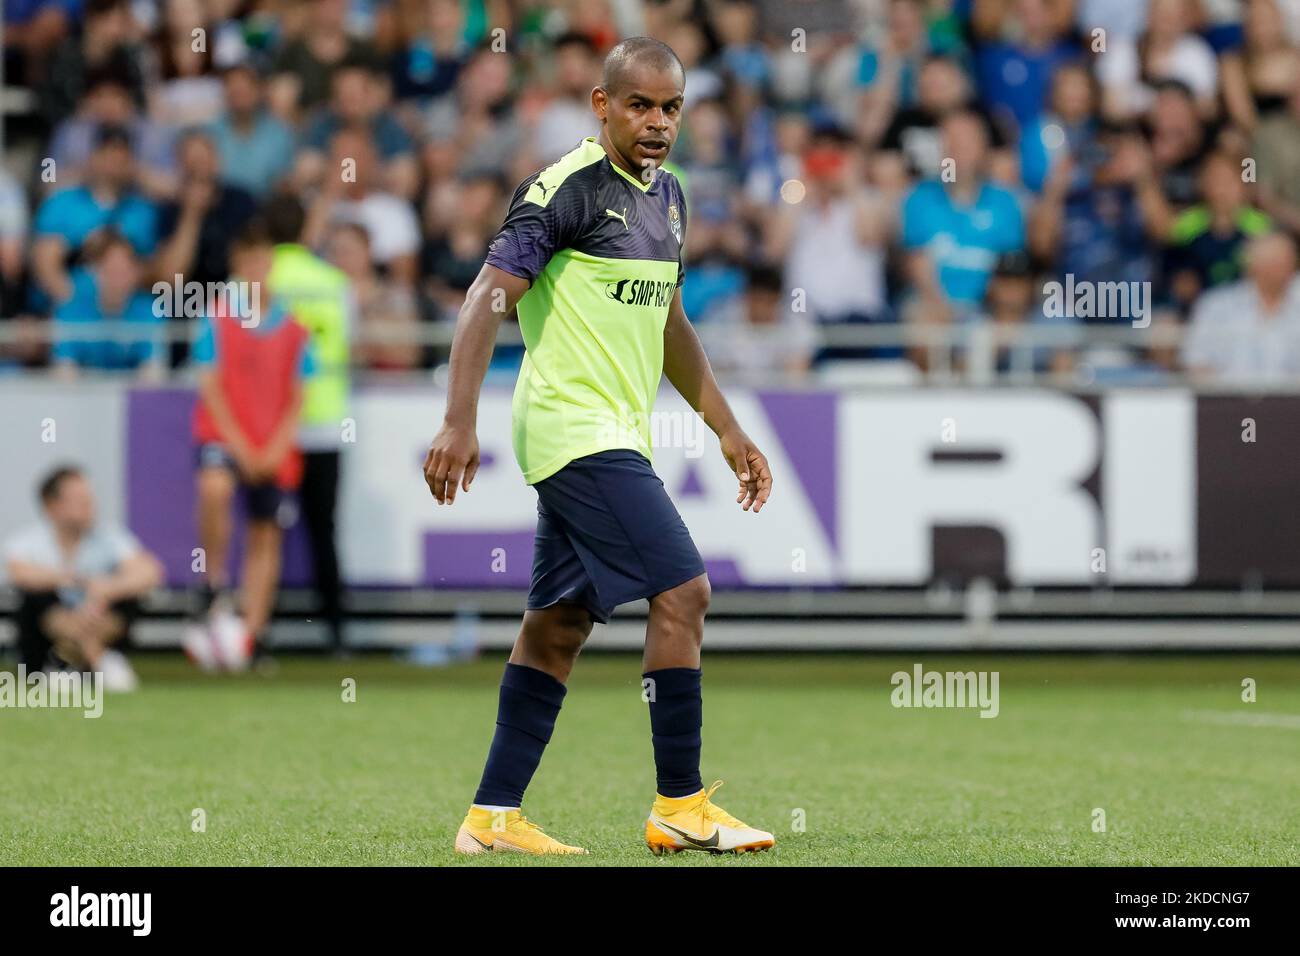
x: 452, y: 461
x: 751, y: 468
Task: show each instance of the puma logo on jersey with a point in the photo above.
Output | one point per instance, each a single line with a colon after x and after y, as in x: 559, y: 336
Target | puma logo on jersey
x: 621, y: 217
x: 543, y: 187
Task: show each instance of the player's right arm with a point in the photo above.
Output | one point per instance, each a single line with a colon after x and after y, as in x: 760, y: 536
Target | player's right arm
x: 544, y: 216
x: 452, y: 460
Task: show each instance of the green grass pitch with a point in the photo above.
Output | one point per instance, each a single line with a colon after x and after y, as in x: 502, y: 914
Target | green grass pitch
x: 287, y: 773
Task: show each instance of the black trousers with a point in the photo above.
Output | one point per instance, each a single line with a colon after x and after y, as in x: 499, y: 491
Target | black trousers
x: 319, y: 499
x: 34, y: 645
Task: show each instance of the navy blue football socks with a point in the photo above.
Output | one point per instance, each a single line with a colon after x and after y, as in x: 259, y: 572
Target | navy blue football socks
x: 676, y: 716
x: 529, y: 703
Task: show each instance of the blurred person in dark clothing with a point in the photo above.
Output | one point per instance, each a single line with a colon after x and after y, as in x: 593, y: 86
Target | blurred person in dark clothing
x: 196, y: 229
x: 1207, y: 242
x: 1179, y: 141
x: 33, y: 29
x: 718, y: 241
x: 305, y: 65
x: 1097, y: 223
x: 320, y: 298
x: 108, y: 39
x: 461, y: 223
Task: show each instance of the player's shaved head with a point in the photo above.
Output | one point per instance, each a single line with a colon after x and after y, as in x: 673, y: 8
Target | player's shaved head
x: 639, y: 103
x: 631, y: 56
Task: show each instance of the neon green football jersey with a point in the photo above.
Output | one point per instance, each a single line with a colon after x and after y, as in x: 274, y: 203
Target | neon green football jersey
x: 602, y: 250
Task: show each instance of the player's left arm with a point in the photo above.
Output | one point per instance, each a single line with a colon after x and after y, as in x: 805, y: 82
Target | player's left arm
x: 687, y: 367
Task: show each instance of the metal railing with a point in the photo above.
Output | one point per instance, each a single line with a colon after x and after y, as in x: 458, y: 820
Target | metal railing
x: 980, y: 346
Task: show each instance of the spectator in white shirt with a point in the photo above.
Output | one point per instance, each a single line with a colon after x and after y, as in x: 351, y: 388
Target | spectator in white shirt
x: 1249, y: 331
x: 79, y: 581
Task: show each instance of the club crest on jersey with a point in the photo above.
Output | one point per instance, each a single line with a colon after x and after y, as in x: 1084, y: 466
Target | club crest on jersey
x: 675, y: 221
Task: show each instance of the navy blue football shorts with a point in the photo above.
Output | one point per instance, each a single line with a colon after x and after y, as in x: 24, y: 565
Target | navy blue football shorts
x: 607, y: 533
x: 265, y: 501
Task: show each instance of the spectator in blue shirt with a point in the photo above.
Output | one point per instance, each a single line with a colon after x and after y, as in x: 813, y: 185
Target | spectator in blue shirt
x: 107, y: 299
x: 70, y: 217
x: 1014, y: 78
x: 255, y: 147
x: 1068, y: 129
x: 956, y: 227
x: 1091, y: 221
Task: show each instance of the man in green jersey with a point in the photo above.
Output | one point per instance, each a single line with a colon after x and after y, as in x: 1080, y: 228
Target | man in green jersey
x: 591, y: 256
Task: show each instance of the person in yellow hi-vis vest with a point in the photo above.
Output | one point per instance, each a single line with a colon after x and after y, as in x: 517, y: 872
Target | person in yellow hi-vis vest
x: 319, y: 296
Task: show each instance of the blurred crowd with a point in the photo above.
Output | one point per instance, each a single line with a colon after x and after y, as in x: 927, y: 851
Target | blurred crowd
x: 848, y: 163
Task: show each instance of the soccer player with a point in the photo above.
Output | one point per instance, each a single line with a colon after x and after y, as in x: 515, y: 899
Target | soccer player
x: 590, y: 253
x: 252, y: 358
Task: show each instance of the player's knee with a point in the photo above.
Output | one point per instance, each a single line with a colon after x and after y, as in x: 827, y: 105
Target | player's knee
x: 687, y: 602
x: 216, y: 485
x: 558, y: 632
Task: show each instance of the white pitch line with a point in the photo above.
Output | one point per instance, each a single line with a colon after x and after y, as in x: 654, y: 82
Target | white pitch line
x: 1238, y: 719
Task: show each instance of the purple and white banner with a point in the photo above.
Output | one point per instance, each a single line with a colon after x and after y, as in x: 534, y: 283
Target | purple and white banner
x: 1027, y: 486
